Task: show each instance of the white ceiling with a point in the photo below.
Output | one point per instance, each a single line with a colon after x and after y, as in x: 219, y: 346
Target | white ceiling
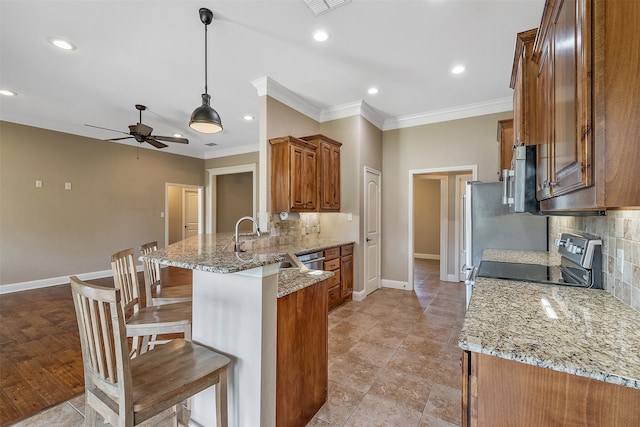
x: 152, y: 53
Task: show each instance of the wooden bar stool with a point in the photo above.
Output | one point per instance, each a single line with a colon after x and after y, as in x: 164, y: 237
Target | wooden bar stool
x: 143, y: 324
x: 156, y: 293
x: 124, y: 391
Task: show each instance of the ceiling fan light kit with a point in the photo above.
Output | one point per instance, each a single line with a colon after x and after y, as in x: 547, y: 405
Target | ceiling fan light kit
x: 204, y: 118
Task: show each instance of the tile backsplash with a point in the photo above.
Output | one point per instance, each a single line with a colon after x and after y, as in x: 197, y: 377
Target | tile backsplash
x: 296, y: 229
x: 620, y: 233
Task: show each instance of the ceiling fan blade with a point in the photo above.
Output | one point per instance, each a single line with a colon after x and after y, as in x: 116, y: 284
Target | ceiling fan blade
x: 118, y: 139
x: 141, y: 129
x: 171, y: 139
x: 155, y: 143
x: 112, y: 130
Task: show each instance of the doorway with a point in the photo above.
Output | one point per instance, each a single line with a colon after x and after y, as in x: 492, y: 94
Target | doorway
x: 448, y: 221
x: 239, y: 176
x: 184, y: 212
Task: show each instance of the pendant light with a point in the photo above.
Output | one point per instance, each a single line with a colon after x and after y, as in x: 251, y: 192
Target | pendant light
x: 204, y: 118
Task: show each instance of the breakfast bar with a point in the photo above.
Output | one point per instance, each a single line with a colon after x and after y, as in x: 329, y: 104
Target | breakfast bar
x: 235, y: 296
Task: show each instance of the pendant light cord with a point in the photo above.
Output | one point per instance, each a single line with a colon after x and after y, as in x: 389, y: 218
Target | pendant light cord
x: 205, y: 59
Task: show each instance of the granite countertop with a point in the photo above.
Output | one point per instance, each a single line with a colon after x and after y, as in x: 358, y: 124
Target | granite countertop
x: 215, y: 253
x: 583, y: 332
x: 523, y: 257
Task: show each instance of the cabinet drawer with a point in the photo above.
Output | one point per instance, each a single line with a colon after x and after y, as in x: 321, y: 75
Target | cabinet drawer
x: 334, y: 297
x: 346, y: 250
x: 331, y: 265
x: 331, y: 253
x: 333, y: 280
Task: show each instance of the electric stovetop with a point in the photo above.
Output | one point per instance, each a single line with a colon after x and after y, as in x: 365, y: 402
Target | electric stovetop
x: 524, y: 272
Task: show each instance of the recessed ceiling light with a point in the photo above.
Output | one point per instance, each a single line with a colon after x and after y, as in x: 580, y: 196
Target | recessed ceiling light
x: 458, y: 69
x: 248, y: 117
x: 61, y: 44
x: 321, y: 36
x: 6, y: 92
x: 177, y: 135
x: 372, y: 91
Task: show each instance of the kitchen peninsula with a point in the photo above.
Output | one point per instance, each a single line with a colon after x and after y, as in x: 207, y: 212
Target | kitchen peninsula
x: 236, y: 298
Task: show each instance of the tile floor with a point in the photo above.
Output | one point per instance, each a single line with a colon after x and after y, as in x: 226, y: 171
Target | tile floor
x: 393, y: 361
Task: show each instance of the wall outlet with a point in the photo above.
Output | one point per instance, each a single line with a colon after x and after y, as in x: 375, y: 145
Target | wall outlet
x: 349, y: 216
x: 67, y: 186
x: 620, y: 260
x: 38, y: 183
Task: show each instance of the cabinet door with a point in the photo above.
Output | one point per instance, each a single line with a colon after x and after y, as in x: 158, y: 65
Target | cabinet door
x: 543, y: 123
x: 571, y: 97
x: 329, y: 177
x: 346, y: 273
x: 303, y: 178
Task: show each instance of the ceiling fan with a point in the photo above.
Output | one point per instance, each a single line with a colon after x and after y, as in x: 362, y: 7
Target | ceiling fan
x: 142, y: 133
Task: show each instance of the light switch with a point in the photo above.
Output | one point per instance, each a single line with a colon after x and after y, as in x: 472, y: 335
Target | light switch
x: 38, y: 183
x: 161, y: 214
x: 67, y: 186
x: 349, y: 216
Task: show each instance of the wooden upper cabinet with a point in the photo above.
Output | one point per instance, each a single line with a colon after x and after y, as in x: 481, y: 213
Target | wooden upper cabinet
x: 523, y: 83
x: 328, y: 172
x: 505, y: 144
x: 587, y: 92
x: 293, y: 175
x: 564, y: 41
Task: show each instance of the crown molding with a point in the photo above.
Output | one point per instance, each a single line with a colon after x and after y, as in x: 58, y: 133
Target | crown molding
x: 461, y: 112
x: 359, y: 108
x: 267, y: 86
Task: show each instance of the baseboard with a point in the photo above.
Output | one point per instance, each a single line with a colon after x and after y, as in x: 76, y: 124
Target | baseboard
x: 394, y: 284
x: 427, y: 256
x: 358, y: 295
x: 54, y: 281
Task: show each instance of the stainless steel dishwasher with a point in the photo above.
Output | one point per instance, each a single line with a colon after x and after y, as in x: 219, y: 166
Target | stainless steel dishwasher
x: 312, y: 260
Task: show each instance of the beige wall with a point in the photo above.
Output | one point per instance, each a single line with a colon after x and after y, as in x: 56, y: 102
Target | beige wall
x: 426, y: 216
x: 455, y: 143
x: 234, y: 200
x: 115, y: 201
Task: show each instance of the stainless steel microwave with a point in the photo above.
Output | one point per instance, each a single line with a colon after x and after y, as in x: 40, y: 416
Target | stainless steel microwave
x: 519, y: 182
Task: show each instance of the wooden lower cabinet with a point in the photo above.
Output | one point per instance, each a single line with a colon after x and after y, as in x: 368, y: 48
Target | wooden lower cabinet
x: 499, y: 392
x: 301, y: 367
x: 339, y: 260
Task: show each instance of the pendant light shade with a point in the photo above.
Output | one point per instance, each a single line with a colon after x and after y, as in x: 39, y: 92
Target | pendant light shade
x: 204, y: 118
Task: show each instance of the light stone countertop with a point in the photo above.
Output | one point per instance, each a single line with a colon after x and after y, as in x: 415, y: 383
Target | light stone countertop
x: 583, y: 332
x: 214, y: 253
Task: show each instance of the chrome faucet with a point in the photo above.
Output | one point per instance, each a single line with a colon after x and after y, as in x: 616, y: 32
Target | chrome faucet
x: 236, y: 246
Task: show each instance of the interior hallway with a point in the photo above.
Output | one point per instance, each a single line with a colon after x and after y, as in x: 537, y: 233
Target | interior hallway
x: 393, y: 360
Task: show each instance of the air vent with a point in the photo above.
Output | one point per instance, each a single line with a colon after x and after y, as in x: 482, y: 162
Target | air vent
x: 321, y: 6
x: 211, y: 144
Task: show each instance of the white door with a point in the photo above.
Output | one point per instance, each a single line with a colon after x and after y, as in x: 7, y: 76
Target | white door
x: 372, y: 230
x: 191, y: 214
x: 461, y: 181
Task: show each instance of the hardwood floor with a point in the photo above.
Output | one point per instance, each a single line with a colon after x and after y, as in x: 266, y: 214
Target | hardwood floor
x: 40, y: 355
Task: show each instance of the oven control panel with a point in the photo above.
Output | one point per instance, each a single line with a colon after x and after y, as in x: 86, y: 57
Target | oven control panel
x: 583, y: 249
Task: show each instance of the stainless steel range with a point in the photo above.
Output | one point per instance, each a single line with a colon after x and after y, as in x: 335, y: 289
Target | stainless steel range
x: 580, y: 265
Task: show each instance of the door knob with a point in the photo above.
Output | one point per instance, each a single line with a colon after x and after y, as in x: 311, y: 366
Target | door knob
x: 368, y: 239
